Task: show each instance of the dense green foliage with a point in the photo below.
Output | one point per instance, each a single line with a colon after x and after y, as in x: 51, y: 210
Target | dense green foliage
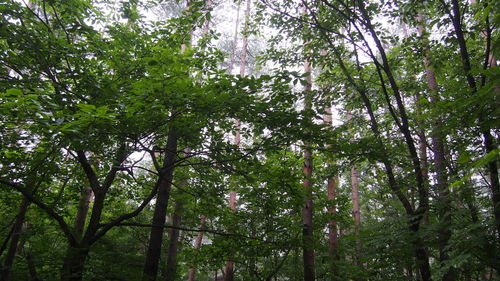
x: 92, y: 91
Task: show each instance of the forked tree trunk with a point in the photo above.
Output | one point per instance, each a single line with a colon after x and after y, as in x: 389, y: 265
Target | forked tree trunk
x: 14, y: 240
x: 73, y: 265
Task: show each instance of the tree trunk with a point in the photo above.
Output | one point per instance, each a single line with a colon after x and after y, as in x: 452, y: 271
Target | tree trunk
x: 332, y: 185
x: 31, y: 267
x: 206, y: 26
x: 74, y: 263
x: 356, y: 211
x: 14, y: 240
x: 197, y: 245
x: 437, y: 138
x: 332, y: 225
x: 307, y: 211
x: 235, y: 42
x: 83, y: 208
x: 488, y: 139
x: 160, y: 213
x: 173, y: 244
x: 229, y: 271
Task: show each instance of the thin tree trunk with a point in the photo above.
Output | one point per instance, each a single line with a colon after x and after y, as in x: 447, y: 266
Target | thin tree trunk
x: 14, y: 240
x: 307, y: 211
x: 414, y: 217
x: 332, y: 185
x: 229, y: 271
x: 83, y: 208
x: 235, y: 42
x: 197, y: 245
x: 356, y: 211
x: 159, y: 217
x: 332, y: 225
x: 488, y: 139
x: 244, y: 46
x: 199, y: 238
x: 173, y: 244
x: 208, y: 6
x: 5, y: 243
x: 437, y: 138
x: 31, y: 267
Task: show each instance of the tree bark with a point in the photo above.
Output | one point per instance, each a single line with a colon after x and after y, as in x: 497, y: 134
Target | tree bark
x: 307, y: 210
x: 197, y: 245
x: 14, y: 240
x: 206, y: 26
x: 437, y: 138
x: 74, y: 263
x: 31, y: 267
x: 332, y: 185
x: 488, y: 139
x: 332, y: 225
x: 414, y: 217
x: 83, y: 208
x: 229, y: 271
x: 160, y: 213
x: 356, y: 211
x: 235, y: 42
x: 173, y: 244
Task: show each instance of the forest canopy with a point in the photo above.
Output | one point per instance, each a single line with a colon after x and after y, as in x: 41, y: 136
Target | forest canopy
x: 249, y: 140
